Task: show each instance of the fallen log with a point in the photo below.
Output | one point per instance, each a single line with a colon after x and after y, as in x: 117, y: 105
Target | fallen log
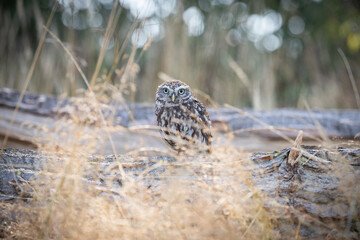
x: 43, y: 110
x: 320, y: 190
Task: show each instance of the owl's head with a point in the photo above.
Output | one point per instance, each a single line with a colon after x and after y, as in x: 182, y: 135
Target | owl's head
x: 173, y: 93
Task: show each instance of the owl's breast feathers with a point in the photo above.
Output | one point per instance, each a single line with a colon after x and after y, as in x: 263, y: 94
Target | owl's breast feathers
x: 189, y: 120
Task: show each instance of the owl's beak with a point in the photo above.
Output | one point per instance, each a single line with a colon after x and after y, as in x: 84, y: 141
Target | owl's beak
x: 173, y: 97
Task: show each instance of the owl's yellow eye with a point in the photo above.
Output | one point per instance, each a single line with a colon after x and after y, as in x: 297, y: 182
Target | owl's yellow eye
x: 181, y: 91
x: 165, y: 90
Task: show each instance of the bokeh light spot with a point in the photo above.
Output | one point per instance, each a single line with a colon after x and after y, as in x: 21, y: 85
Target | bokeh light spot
x: 194, y: 20
x: 271, y: 42
x: 233, y: 37
x: 296, y: 25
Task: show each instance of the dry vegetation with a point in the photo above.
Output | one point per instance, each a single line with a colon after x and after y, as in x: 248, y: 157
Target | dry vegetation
x: 202, y: 197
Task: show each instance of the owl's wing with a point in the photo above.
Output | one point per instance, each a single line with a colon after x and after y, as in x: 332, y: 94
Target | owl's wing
x: 202, y: 117
x: 158, y: 111
x: 200, y: 111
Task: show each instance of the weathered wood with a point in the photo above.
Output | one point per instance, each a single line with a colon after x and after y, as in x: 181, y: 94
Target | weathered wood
x: 42, y: 110
x: 320, y: 188
x: 314, y: 189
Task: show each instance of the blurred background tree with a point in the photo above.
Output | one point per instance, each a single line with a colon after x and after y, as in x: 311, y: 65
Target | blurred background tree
x: 260, y: 54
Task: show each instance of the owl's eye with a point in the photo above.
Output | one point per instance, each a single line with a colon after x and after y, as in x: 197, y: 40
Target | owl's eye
x: 165, y: 90
x: 181, y: 91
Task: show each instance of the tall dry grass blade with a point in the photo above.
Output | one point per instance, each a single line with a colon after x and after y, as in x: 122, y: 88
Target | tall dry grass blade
x: 294, y: 155
x: 82, y: 74
x: 351, y: 77
x: 352, y: 209
x: 122, y: 49
x: 357, y: 135
x: 284, y: 129
x: 206, y: 97
x: 240, y: 73
x: 320, y: 128
x: 297, y: 234
x: 269, y: 127
x: 251, y: 224
x: 146, y: 45
x: 165, y: 77
x: 29, y: 75
x: 128, y: 73
x: 118, y: 56
x: 152, y: 149
x: 114, y: 16
x: 94, y: 97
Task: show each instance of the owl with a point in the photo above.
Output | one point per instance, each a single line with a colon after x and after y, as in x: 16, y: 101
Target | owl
x: 183, y: 120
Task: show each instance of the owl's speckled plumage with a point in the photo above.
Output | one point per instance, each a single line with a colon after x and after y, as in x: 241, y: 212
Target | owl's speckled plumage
x: 183, y: 120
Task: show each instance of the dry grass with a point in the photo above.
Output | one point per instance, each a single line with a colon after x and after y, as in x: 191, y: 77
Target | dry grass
x: 202, y: 197
x: 195, y: 200
x: 198, y: 198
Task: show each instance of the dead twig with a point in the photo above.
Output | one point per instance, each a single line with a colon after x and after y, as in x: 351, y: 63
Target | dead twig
x: 294, y: 155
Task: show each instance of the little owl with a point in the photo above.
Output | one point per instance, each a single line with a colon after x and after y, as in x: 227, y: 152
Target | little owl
x: 183, y: 120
